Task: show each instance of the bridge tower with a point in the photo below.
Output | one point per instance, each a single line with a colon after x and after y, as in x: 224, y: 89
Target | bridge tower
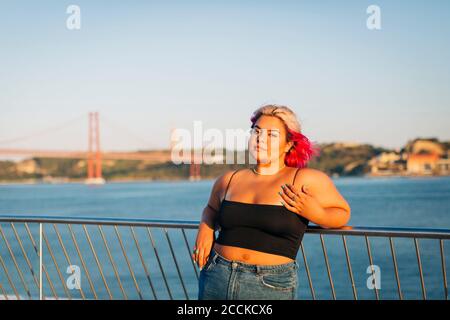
x: 194, y: 171
x: 94, y: 158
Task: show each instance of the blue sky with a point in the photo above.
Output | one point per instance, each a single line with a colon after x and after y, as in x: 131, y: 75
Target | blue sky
x: 149, y: 66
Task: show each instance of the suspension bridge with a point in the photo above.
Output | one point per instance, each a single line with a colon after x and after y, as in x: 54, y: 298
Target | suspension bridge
x: 94, y: 154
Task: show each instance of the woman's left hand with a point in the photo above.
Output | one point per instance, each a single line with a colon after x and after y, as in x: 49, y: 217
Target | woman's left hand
x: 300, y: 202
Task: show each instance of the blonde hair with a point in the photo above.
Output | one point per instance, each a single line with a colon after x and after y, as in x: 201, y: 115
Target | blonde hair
x: 284, y: 113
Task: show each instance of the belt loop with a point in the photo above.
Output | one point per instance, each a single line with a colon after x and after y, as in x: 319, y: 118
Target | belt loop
x: 215, y: 255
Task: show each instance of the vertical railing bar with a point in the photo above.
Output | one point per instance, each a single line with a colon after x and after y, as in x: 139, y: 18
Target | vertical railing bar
x: 128, y: 262
x: 66, y: 255
x: 176, y: 263
x: 30, y: 266
x: 91, y: 284
x: 308, y: 274
x: 328, y: 267
x: 189, y: 252
x: 112, y: 261
x: 36, y: 250
x: 394, y: 260
x: 41, y: 256
x: 143, y: 262
x: 9, y: 278
x: 422, y: 282
x: 4, y: 292
x: 349, y: 267
x: 369, y: 252
x: 159, y: 262
x: 97, y: 261
x: 444, y: 271
x: 15, y: 263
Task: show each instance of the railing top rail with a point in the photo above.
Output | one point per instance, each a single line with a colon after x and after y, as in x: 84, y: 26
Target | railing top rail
x: 188, y: 224
x: 379, y: 231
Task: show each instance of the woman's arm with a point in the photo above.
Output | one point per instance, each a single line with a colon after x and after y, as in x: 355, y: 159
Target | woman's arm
x: 211, y: 209
x: 205, y: 235
x: 317, y: 199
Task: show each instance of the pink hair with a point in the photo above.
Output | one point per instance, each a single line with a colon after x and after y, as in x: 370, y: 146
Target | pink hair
x: 301, y: 152
x: 303, y: 149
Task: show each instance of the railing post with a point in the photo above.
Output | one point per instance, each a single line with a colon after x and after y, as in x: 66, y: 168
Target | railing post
x: 40, y: 261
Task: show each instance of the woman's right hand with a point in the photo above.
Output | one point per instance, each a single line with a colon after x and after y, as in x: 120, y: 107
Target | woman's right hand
x: 203, y: 244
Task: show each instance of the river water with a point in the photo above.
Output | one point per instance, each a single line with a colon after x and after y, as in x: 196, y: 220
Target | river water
x: 390, y: 201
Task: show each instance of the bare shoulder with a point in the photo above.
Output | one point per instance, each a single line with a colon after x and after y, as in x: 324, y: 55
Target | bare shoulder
x: 321, y: 186
x: 221, y: 182
x: 311, y: 174
x: 223, y: 179
x: 218, y: 189
x: 316, y: 180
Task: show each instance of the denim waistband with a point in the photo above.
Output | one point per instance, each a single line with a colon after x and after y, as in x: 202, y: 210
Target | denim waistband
x: 256, y: 268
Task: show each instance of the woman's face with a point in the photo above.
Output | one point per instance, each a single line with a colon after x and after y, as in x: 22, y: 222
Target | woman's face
x: 268, y: 140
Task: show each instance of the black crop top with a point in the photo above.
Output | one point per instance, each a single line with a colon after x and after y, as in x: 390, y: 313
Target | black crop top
x: 263, y: 227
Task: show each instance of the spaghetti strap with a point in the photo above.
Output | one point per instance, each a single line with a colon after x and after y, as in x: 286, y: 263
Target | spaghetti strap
x: 293, y: 180
x: 228, y: 185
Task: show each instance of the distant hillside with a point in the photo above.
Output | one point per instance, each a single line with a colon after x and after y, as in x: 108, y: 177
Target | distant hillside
x: 335, y: 158
x: 345, y: 159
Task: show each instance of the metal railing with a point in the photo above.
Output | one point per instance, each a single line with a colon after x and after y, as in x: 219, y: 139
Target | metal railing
x: 140, y: 259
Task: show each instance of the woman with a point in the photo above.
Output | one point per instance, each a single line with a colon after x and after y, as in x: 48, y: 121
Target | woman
x: 262, y: 213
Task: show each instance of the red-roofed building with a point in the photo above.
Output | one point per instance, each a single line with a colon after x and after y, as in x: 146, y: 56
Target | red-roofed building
x: 422, y: 163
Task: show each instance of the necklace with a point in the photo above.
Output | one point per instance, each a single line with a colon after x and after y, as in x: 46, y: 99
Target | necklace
x: 261, y: 174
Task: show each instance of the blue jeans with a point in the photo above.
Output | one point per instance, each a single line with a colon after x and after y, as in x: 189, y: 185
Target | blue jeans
x: 223, y: 279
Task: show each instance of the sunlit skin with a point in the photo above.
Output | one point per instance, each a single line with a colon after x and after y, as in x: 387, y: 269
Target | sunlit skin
x: 314, y: 195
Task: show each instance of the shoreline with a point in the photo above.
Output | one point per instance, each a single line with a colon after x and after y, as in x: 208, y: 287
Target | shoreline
x: 82, y: 181
x: 146, y: 180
